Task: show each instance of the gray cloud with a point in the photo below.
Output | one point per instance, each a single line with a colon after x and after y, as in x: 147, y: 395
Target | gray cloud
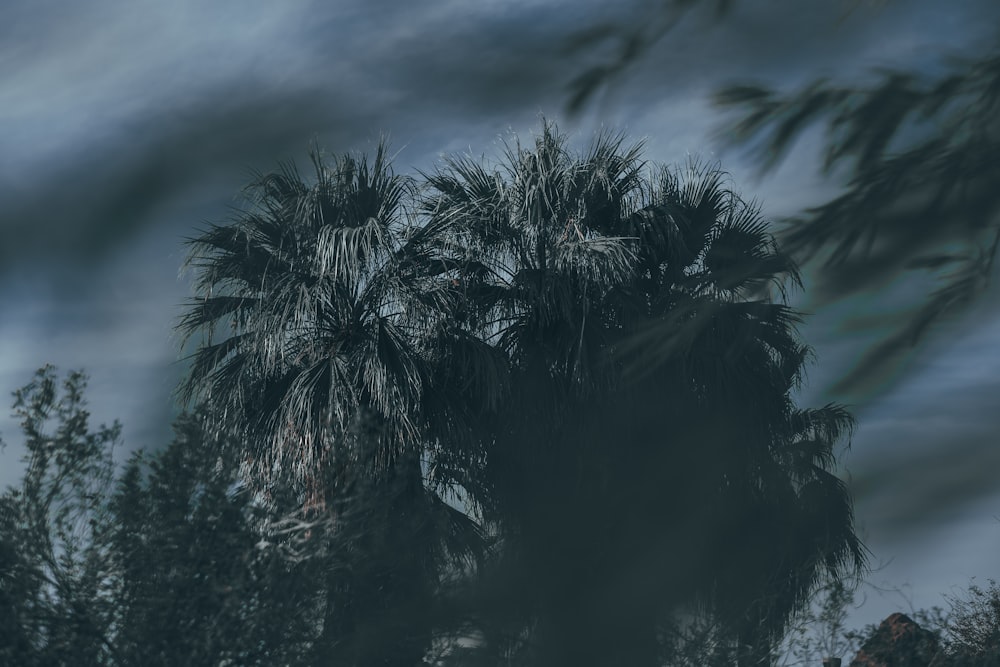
x: 116, y: 110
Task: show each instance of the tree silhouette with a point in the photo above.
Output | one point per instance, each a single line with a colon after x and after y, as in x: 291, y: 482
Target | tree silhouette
x: 586, y: 351
x: 164, y: 563
x: 55, y: 542
x: 195, y: 584
x: 317, y: 304
x: 649, y: 455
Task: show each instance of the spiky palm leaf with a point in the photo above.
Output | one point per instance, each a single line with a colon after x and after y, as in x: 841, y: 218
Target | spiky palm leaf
x: 584, y: 272
x: 317, y: 308
x: 304, y: 314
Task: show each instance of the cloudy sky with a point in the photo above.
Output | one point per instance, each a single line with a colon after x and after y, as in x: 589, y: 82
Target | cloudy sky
x: 129, y: 124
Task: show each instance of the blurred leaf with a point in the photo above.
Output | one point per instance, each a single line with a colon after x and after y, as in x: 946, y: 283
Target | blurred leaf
x: 629, y: 42
x: 919, y: 154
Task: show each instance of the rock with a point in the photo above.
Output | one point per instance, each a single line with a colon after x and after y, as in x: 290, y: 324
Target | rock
x: 898, y: 642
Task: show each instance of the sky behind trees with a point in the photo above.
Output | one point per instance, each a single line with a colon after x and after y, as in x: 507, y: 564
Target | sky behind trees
x: 129, y: 126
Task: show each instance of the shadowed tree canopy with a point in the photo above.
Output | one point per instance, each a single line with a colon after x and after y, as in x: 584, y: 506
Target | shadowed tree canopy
x: 648, y: 455
x: 496, y: 332
x: 441, y: 412
x: 159, y: 562
x: 56, y: 570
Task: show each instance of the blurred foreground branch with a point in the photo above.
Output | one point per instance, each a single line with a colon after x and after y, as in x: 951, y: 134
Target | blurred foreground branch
x: 919, y: 154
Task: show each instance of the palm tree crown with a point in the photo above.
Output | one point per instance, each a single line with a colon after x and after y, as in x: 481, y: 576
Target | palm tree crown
x: 317, y: 304
x: 649, y: 426
x: 306, y: 290
x: 593, y: 351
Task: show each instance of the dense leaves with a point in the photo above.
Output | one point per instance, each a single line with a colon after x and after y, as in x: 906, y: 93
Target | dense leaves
x: 972, y: 636
x: 649, y: 435
x: 195, y: 584
x: 55, y: 539
x: 158, y: 565
x: 537, y: 411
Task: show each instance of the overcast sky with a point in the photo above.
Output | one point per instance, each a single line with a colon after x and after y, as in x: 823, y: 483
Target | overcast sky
x: 129, y: 124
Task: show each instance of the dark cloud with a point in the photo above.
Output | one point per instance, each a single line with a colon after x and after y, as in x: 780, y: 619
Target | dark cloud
x: 909, y: 491
x: 399, y: 74
x: 351, y: 72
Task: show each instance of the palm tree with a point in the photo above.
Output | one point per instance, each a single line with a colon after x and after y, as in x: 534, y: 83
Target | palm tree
x: 321, y: 309
x: 594, y: 357
x: 710, y: 354
x: 626, y: 465
x: 534, y: 277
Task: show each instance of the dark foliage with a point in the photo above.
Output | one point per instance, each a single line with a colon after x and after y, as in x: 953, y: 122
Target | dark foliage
x: 196, y: 584
x: 628, y: 42
x: 538, y: 413
x: 162, y: 565
x: 649, y: 457
x: 972, y: 636
x: 918, y: 150
x: 915, y: 148
x: 56, y: 583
